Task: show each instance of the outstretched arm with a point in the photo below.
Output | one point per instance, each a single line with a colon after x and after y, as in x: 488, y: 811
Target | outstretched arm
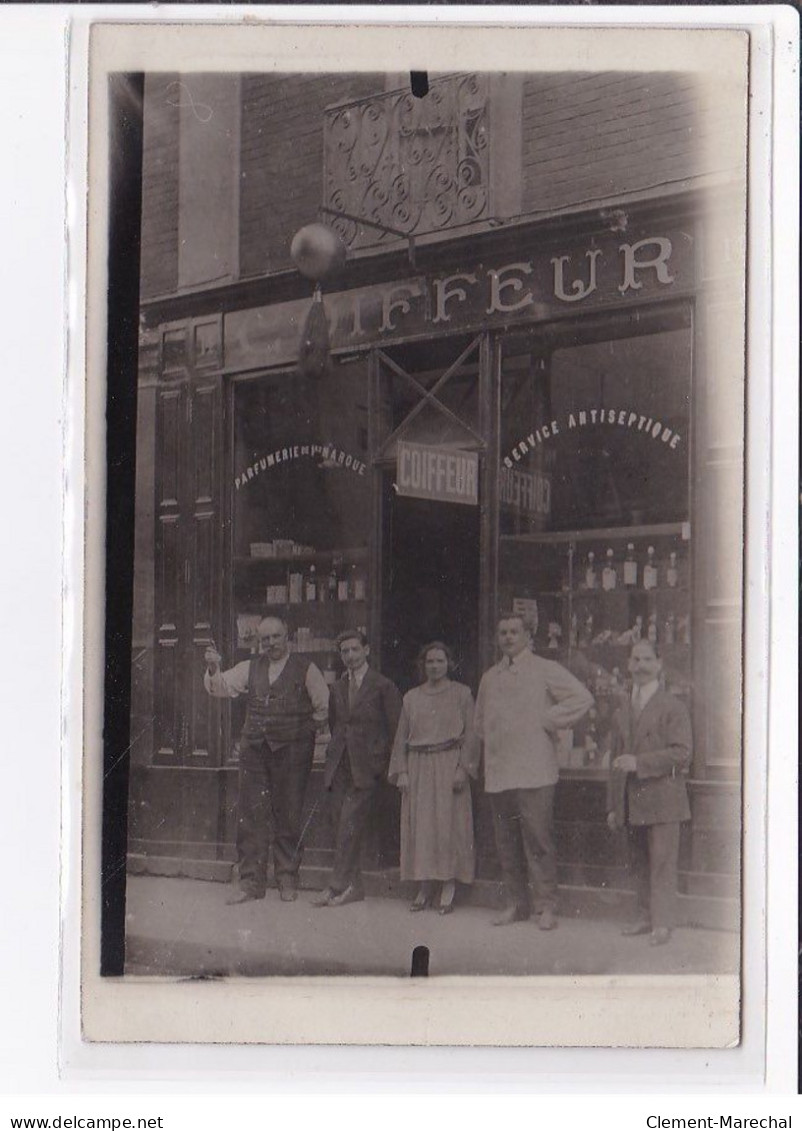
x: 225, y: 685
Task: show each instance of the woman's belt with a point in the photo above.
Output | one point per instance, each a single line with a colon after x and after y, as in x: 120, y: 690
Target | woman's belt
x: 435, y: 747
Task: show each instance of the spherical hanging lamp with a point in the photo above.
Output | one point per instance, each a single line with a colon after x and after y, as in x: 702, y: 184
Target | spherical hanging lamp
x: 317, y: 251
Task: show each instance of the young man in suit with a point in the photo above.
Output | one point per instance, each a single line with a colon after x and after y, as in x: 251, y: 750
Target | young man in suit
x: 650, y: 756
x: 363, y: 714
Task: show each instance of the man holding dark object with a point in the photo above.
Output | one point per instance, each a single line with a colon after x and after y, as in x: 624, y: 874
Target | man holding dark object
x: 522, y: 702
x: 363, y: 714
x: 287, y: 702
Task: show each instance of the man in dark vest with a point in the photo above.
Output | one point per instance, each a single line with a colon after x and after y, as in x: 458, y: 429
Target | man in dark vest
x: 288, y: 701
x: 363, y: 714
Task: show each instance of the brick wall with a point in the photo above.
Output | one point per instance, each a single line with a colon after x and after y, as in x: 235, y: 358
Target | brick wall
x: 160, y: 187
x: 589, y: 137
x: 585, y: 138
x: 282, y: 159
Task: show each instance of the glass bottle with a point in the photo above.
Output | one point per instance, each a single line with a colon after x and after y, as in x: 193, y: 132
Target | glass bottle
x: 342, y: 584
x: 630, y: 567
x: 330, y: 672
x: 331, y: 582
x: 651, y: 631
x: 310, y: 585
x: 650, y: 570
x: 609, y: 575
x: 670, y: 634
x: 358, y: 583
x: 591, y: 745
x: 590, y: 572
x: 671, y: 572
x: 573, y: 631
x: 295, y: 585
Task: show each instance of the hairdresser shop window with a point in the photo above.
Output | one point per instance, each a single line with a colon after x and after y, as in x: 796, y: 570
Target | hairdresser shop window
x: 596, y: 434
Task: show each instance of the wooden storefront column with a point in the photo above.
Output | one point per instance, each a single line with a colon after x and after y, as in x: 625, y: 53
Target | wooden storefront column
x: 489, y: 410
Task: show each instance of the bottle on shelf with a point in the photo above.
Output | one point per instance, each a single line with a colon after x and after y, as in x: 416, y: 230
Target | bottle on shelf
x: 310, y: 584
x: 650, y: 570
x: 342, y: 582
x: 295, y: 587
x: 672, y: 574
x: 630, y: 567
x: 329, y: 671
x: 651, y: 631
x: 331, y: 581
x: 573, y: 631
x: 358, y: 583
x: 609, y: 575
x: 670, y: 632
x: 591, y: 743
x: 637, y: 630
x: 590, y: 572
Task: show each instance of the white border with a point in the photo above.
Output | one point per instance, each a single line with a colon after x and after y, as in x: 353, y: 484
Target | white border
x: 30, y: 111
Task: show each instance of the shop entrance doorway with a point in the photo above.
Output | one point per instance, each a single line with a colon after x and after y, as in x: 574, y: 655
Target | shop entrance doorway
x: 430, y: 583
x: 429, y: 570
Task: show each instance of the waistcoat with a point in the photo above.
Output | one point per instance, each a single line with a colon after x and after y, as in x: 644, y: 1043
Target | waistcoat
x: 282, y: 712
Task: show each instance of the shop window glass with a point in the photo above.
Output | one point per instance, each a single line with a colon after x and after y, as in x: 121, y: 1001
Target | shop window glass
x: 301, y: 508
x: 594, y: 506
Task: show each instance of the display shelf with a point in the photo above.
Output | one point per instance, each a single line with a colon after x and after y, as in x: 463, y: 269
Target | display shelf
x: 604, y: 534
x: 320, y: 607
x: 628, y: 591
x: 322, y: 557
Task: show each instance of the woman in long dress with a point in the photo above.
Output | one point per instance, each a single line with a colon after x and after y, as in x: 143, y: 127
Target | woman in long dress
x: 433, y: 757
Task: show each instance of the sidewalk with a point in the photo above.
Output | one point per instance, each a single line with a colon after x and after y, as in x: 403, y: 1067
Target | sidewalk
x: 182, y: 927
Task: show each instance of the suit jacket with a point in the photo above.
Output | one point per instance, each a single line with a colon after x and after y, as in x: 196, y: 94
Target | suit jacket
x: 362, y: 732
x: 661, y: 742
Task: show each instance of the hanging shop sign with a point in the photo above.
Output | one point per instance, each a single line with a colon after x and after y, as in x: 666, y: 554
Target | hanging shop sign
x: 446, y: 474
x: 534, y: 287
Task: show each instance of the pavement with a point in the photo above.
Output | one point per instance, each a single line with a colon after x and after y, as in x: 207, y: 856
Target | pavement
x: 184, y: 928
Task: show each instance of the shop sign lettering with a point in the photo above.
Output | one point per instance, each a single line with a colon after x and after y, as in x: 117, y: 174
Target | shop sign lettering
x: 427, y: 472
x: 526, y: 492
x: 325, y: 455
x: 621, y: 418
x: 530, y: 288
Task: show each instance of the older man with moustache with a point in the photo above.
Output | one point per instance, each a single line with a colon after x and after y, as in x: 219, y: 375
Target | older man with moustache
x: 288, y: 700
x: 523, y: 700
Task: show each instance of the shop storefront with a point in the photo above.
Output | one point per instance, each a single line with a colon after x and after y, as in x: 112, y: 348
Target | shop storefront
x: 513, y: 422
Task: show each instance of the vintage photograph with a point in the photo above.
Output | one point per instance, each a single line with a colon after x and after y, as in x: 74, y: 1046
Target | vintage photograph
x: 437, y: 608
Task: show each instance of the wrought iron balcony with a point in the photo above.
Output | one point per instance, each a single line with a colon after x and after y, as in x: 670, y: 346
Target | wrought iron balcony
x: 410, y: 165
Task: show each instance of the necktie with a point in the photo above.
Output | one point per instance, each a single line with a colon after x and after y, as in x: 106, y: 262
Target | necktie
x: 637, y: 703
x: 351, y: 689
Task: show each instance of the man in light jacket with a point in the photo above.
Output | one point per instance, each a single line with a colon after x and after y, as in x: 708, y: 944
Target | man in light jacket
x: 523, y: 700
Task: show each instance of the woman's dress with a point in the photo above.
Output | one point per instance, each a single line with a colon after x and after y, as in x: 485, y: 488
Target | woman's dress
x: 436, y: 823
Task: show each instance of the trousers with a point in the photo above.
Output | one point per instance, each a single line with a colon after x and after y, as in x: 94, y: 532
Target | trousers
x: 272, y: 785
x: 522, y: 823
x: 351, y: 809
x: 653, y: 859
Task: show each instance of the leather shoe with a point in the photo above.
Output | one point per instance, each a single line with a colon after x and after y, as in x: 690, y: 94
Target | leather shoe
x: 350, y: 895
x: 659, y: 936
x: 639, y: 928
x: 325, y: 898
x: 242, y: 896
x: 288, y: 893
x: 547, y: 920
x: 511, y: 915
